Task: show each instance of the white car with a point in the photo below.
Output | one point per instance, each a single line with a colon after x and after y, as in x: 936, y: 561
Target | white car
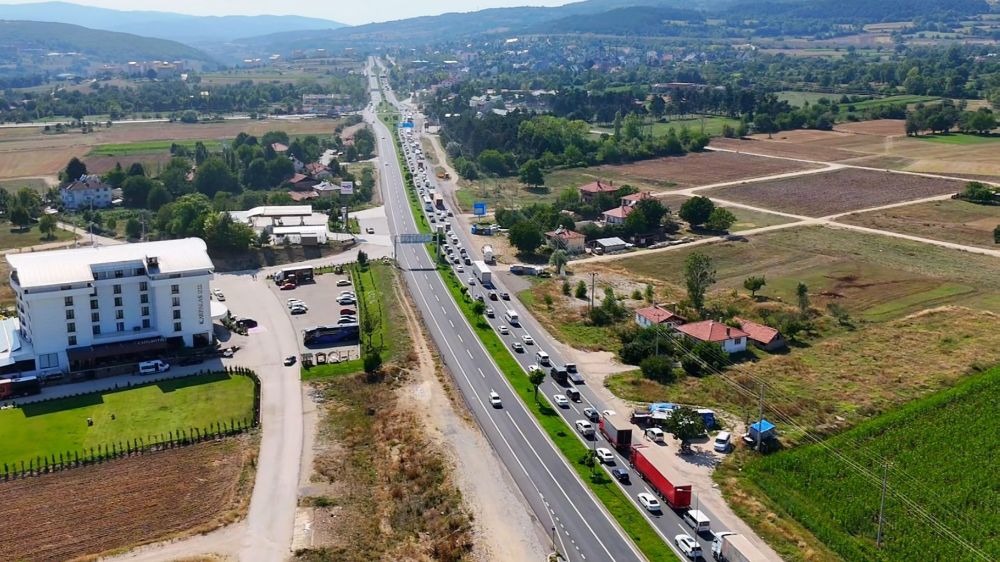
x: 218, y: 295
x: 528, y: 340
x: 347, y: 294
x: 503, y: 330
x: 532, y: 368
x: 605, y: 455
x: 293, y: 302
x: 722, y: 441
x: 650, y: 502
x: 460, y: 268
x: 346, y: 301
x: 560, y: 400
x: 585, y: 428
x: 688, y: 546
x: 472, y: 280
x: 344, y: 283
x: 495, y: 399
x: 655, y: 434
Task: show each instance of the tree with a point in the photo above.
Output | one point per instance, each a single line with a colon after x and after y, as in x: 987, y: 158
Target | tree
x: 531, y: 173
x: 978, y: 192
x: 116, y: 177
x: 135, y: 191
x: 764, y: 123
x: 492, y: 162
x: 658, y: 368
x: 581, y: 290
x: 362, y: 258
x: 558, y: 260
x: 47, y: 226
x: 697, y: 210
x: 802, y: 293
x: 223, y: 233
x: 478, y: 307
x: 684, y: 424
x: 158, y: 197
x: 214, y: 176
x: 20, y: 217
x: 133, y: 228
x: 255, y: 176
x: 537, y: 377
x: 566, y: 290
x: 136, y: 169
x: 699, y: 275
x: 279, y: 170
x: 649, y: 294
x: 372, y: 361
x: 74, y: 169
x: 720, y: 220
x: 526, y: 236
x: 185, y: 217
x: 753, y: 284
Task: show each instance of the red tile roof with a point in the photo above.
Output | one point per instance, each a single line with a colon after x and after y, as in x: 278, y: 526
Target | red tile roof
x: 710, y: 330
x: 618, y: 212
x: 302, y: 195
x: 598, y: 187
x: 636, y: 197
x: 658, y: 315
x: 315, y: 168
x: 758, y: 332
x: 565, y: 234
x: 297, y: 178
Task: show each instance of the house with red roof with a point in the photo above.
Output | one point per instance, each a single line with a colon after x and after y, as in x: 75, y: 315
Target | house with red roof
x: 591, y: 190
x: 301, y: 182
x: 657, y: 315
x: 764, y: 337
x: 732, y: 340
x: 616, y: 215
x: 564, y: 239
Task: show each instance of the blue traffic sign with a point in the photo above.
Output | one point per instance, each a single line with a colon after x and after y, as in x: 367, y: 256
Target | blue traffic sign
x: 479, y: 208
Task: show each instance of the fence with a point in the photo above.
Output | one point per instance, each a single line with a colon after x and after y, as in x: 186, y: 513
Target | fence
x: 138, y: 446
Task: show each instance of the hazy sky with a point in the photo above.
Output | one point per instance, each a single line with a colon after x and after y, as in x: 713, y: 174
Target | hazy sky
x: 350, y: 12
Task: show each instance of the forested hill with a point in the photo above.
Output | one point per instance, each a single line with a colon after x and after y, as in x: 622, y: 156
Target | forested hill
x: 637, y: 20
x: 857, y: 11
x: 105, y: 46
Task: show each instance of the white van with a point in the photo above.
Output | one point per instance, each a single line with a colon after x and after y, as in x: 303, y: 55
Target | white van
x: 153, y: 367
x: 697, y: 520
x: 542, y: 358
x: 511, y: 317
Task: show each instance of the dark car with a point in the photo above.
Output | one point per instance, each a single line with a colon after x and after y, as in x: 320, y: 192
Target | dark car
x: 505, y: 296
x: 591, y: 414
x: 290, y: 360
x: 493, y: 295
x: 247, y: 322
x: 621, y: 475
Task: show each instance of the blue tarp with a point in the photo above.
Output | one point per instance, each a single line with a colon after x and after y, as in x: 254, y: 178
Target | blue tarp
x: 763, y: 426
x: 662, y: 407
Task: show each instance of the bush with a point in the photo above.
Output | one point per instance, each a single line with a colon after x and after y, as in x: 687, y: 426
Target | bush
x: 691, y: 366
x: 372, y: 361
x: 581, y: 290
x: 658, y: 368
x: 566, y: 288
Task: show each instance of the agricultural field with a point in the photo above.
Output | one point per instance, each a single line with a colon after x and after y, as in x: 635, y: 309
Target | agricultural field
x: 127, y: 502
x: 35, y: 184
x: 951, y: 220
x: 960, y: 138
x: 787, y: 144
x: 58, y: 426
x: 933, y: 447
x: 799, y: 98
x: 878, y: 127
x: 13, y: 237
x: 839, y: 191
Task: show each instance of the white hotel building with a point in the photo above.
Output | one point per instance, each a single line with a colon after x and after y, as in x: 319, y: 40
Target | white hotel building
x: 84, y: 308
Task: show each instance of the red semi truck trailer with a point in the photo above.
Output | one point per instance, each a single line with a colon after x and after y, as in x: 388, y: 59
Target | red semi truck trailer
x: 678, y: 497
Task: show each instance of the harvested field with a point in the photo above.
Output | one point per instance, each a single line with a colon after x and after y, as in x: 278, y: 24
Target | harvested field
x: 839, y: 191
x: 703, y: 168
x: 784, y: 147
x: 127, y: 502
x: 151, y: 162
x: 951, y: 220
x: 880, y: 127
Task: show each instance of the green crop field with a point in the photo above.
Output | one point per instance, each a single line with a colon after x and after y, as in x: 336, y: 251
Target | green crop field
x: 907, y: 99
x: 960, y: 138
x: 125, y: 149
x: 943, y: 452
x: 60, y: 426
x: 799, y: 99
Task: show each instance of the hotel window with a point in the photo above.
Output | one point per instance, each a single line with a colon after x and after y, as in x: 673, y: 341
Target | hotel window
x: 143, y: 286
x: 175, y: 289
x: 70, y: 327
x: 97, y: 330
x: 118, y: 289
x: 145, y: 311
x: 120, y: 326
x: 140, y: 271
x: 119, y: 274
x: 177, y: 315
x: 95, y: 317
x: 70, y: 314
x: 93, y: 304
x: 118, y: 301
x: 177, y: 326
x: 72, y: 341
x: 177, y: 301
x: 119, y: 314
x: 144, y: 298
x: 145, y: 322
x: 68, y: 301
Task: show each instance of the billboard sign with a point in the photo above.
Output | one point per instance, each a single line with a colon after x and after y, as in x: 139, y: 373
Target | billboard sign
x: 347, y: 188
x: 415, y: 238
x: 479, y: 208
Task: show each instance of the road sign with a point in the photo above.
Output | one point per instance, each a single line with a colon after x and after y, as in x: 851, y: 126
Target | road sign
x: 479, y: 208
x: 347, y: 188
x: 415, y: 238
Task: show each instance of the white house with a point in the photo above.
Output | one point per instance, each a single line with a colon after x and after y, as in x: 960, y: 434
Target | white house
x: 86, y: 307
x: 732, y: 340
x: 657, y: 315
x: 86, y: 192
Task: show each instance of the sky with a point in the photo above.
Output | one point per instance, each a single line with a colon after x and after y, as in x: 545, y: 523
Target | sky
x: 344, y: 11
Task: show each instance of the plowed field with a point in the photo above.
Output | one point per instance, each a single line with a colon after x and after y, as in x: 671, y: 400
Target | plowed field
x: 127, y: 502
x: 704, y: 168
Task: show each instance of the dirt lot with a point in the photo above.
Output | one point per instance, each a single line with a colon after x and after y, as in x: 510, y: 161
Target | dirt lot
x: 952, y: 221
x: 879, y: 127
x: 828, y: 193
x: 786, y: 144
x: 704, y: 168
x: 127, y: 502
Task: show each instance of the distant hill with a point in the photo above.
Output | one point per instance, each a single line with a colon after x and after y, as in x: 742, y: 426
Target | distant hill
x: 634, y: 20
x: 858, y: 10
x: 104, y: 46
x: 164, y: 25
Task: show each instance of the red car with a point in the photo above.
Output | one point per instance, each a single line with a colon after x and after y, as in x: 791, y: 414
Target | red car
x: 349, y: 311
x: 287, y: 286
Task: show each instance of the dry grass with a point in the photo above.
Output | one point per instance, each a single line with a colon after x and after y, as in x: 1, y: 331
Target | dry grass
x: 127, y: 502
x: 878, y: 127
x: 702, y: 168
x: 952, y: 221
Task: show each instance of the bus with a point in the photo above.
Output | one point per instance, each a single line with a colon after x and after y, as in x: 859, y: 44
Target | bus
x: 297, y: 275
x: 428, y: 204
x: 330, y: 334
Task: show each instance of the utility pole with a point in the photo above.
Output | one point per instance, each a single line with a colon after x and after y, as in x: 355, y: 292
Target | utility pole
x: 760, y: 419
x: 593, y: 283
x: 881, y: 507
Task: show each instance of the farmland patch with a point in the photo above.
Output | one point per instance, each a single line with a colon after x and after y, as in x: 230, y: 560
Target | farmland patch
x: 950, y: 220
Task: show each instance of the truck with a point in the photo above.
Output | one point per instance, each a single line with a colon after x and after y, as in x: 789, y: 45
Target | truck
x: 574, y: 374
x: 483, y: 273
x: 559, y: 374
x: 439, y: 201
x: 488, y: 255
x: 24, y: 386
x: 731, y: 547
x: 677, y: 497
x: 616, y: 430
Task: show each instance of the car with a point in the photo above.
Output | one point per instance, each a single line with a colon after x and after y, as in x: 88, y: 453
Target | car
x: 503, y: 329
x: 528, y: 340
x: 480, y: 298
x: 386, y: 164
x: 343, y: 301
x: 472, y: 280
x: 605, y: 455
x: 560, y: 400
x: 346, y: 321
x: 347, y: 312
x: 467, y: 260
x: 649, y: 502
x: 532, y: 368
x: 287, y: 286
x: 293, y: 302
x: 459, y: 268
x: 455, y: 259
x: 516, y: 346
x: 344, y: 283
x: 347, y: 294
x: 655, y: 434
x: 585, y: 428
x: 218, y: 294
x: 505, y: 296
x: 489, y: 312
x: 298, y: 309
x: 688, y: 546
x: 495, y: 399
x: 591, y: 413
x: 290, y: 360
x: 621, y: 475
x: 247, y: 322
x: 722, y: 441
x: 433, y: 220
x: 493, y: 295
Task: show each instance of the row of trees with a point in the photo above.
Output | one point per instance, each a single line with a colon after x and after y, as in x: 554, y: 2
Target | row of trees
x: 945, y: 116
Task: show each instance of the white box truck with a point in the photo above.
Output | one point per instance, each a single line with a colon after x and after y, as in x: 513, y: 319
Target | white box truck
x: 483, y: 273
x: 488, y: 255
x: 731, y: 547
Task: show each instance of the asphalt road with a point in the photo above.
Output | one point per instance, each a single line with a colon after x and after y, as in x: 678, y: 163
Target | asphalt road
x: 669, y: 523
x: 583, y: 529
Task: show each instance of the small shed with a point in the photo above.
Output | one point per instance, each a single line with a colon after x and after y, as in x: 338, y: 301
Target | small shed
x: 608, y: 245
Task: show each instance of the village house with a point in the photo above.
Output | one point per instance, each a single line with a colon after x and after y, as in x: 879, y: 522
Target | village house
x: 732, y: 340
x: 85, y: 192
x: 301, y: 182
x: 564, y: 239
x: 764, y: 337
x: 628, y: 203
x: 591, y: 190
x: 657, y: 315
x: 318, y: 171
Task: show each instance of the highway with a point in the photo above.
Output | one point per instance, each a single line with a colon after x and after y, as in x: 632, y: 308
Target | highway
x: 583, y: 530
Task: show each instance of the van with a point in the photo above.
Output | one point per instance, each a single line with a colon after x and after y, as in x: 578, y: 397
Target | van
x: 542, y: 358
x: 722, y: 441
x: 153, y: 367
x: 511, y: 317
x: 573, y: 394
x: 697, y: 520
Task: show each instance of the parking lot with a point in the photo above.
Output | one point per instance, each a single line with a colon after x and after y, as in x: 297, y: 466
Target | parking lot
x: 320, y: 298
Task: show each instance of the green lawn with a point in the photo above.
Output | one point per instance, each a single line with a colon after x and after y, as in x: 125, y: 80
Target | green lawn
x: 960, y: 138
x: 60, y: 426
x: 36, y: 184
x: 798, y: 98
x: 943, y: 450
x: 713, y: 125
x: 13, y: 237
x: 876, y: 102
x: 130, y: 148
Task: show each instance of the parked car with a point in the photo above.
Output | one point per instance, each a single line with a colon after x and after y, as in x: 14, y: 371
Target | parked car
x: 346, y: 301
x: 560, y: 400
x: 347, y: 320
x: 247, y: 323
x: 722, y: 441
x: 299, y: 309
x: 347, y: 312
x: 293, y: 301
x: 621, y: 475
x: 655, y: 434
x: 649, y: 502
x: 218, y: 295
x: 605, y: 455
x: 290, y: 360
x: 344, y: 283
x: 688, y: 546
x: 495, y: 399
x: 287, y: 286
x: 591, y: 413
x: 370, y: 230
